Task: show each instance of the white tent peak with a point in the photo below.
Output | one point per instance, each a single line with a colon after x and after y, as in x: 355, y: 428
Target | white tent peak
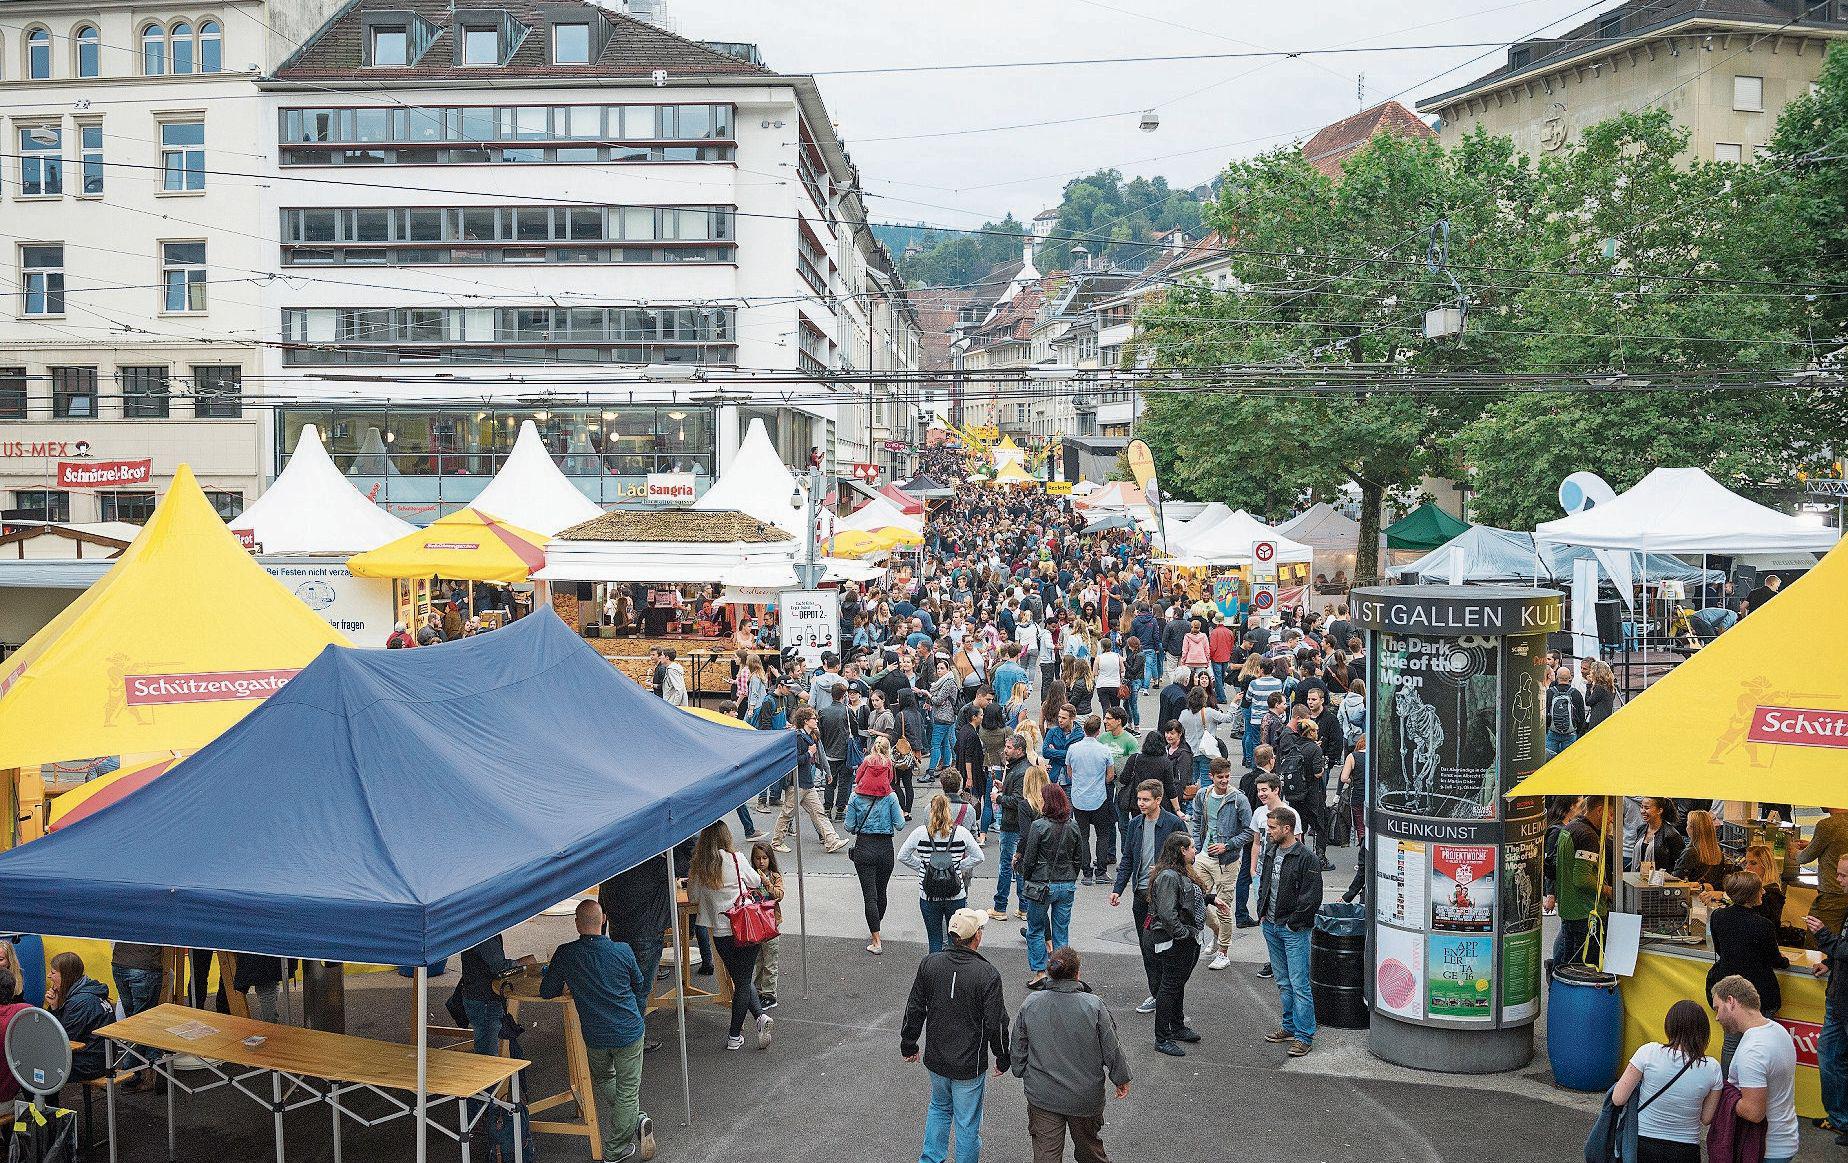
x: 757, y: 482
x: 531, y: 492
x: 1683, y: 510
x: 1233, y: 539
x: 312, y: 508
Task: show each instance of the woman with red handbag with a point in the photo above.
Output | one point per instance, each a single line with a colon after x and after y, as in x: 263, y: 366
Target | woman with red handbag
x: 722, y: 884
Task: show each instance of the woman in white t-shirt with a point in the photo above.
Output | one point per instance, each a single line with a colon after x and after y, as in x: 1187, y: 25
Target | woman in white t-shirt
x: 1677, y: 1085
x: 1109, y: 678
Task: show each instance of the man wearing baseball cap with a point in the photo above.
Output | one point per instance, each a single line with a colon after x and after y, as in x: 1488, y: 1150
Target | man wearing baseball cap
x: 956, y: 1004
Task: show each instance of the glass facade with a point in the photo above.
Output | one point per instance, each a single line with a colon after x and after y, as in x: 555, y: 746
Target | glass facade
x: 422, y: 462
x: 378, y: 236
x: 381, y: 135
x: 577, y: 335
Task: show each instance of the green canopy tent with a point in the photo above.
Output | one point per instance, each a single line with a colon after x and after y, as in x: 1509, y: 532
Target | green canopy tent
x: 1423, y: 529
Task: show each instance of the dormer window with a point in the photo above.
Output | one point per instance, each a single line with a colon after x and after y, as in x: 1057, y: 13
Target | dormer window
x: 571, y: 44
x: 1520, y: 57
x: 391, y: 45
x: 396, y: 39
x: 480, y: 44
x: 485, y: 36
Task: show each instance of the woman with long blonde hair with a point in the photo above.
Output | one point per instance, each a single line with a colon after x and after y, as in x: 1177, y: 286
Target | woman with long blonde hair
x: 1031, y: 788
x: 717, y: 879
x: 940, y: 834
x: 1703, y: 861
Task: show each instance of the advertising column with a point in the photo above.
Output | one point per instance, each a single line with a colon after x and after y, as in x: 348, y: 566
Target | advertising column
x: 1454, y: 721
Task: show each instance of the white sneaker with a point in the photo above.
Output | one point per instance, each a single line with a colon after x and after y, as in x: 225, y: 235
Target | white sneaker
x: 735, y: 1042
x: 1219, y: 961
x: 1147, y: 1006
x: 764, y: 1023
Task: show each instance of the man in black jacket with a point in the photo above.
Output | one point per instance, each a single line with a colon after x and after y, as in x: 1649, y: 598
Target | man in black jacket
x: 1009, y: 793
x: 1289, y: 893
x: 1302, y: 766
x: 958, y: 1006
x: 1143, y: 838
x: 1832, y: 1046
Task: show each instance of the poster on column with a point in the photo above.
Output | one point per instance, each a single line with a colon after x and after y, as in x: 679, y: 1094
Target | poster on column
x: 1434, y: 747
x: 1521, y: 884
x: 1525, y: 736
x: 1462, y: 888
x: 1459, y: 976
x: 1399, y: 889
x: 1520, y: 975
x: 1398, y: 972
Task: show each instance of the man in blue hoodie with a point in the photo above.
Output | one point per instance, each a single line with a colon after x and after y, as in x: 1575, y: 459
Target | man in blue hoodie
x: 611, y: 995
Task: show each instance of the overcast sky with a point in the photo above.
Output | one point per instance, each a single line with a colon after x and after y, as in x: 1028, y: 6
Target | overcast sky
x: 1211, y: 111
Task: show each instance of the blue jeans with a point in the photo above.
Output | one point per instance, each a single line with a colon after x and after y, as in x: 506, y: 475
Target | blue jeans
x: 1289, y: 959
x: 1134, y: 707
x: 1151, y: 666
x: 959, y: 1103
x: 1219, y: 681
x: 139, y: 989
x: 1242, y: 891
x: 744, y: 820
x: 1004, y: 869
x: 942, y: 745
x: 1832, y: 1058
x: 937, y: 916
x: 1251, y: 744
x: 1557, y: 743
x: 484, y: 1018
x: 1056, y: 915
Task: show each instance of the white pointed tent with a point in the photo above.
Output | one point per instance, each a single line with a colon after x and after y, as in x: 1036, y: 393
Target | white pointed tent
x: 529, y: 490
x: 1232, y: 541
x: 879, y: 513
x: 1181, y: 534
x: 1685, y: 511
x: 756, y: 482
x: 313, y: 509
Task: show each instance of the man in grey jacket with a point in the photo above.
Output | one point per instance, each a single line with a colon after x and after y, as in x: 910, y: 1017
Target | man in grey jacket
x: 1065, y: 1048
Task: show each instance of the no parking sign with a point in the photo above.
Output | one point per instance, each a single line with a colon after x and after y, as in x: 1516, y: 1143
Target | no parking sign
x: 1263, y: 598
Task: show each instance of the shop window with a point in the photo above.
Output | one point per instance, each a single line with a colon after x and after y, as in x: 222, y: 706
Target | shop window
x: 227, y: 503
x: 43, y: 504
x: 73, y: 393
x: 134, y: 507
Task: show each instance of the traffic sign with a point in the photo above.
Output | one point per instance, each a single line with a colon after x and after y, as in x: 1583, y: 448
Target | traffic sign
x: 1263, y: 598
x: 1265, y: 551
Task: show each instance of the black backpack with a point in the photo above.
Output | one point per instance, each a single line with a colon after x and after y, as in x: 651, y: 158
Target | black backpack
x: 942, y: 881
x: 1559, y: 710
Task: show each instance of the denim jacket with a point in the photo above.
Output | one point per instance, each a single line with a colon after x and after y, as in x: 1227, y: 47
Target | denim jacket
x: 874, y: 816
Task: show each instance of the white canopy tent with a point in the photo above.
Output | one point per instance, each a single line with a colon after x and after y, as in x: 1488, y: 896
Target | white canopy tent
x: 1685, y: 511
x: 1181, y: 534
x: 313, y: 509
x: 1332, y: 534
x: 879, y: 513
x: 1232, y: 541
x: 757, y: 482
x: 531, y: 492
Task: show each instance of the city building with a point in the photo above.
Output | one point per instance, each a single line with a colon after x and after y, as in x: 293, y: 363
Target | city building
x: 553, y: 211
x: 1723, y: 68
x: 1329, y: 147
x: 131, y: 338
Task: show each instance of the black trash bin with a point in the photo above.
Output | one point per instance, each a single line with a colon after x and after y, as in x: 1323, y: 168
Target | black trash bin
x: 1337, y: 966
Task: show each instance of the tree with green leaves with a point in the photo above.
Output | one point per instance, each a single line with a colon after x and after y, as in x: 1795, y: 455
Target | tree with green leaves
x: 1336, y: 273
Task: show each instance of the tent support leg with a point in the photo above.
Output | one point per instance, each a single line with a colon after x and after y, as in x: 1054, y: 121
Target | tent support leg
x: 681, y: 951
x: 423, y: 1063
x: 795, y: 826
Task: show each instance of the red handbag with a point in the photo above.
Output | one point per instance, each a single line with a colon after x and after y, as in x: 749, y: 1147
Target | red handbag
x: 753, y: 919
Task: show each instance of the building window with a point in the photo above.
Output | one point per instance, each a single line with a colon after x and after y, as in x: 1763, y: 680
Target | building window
x: 211, y: 47
x: 1749, y: 94
x: 1610, y: 25
x: 144, y: 392
x: 43, y: 504
x: 180, y: 48
x: 42, y: 279
x: 182, y: 155
x: 41, y: 161
x: 122, y: 505
x: 90, y: 139
x: 12, y: 393
x: 227, y: 503
x: 218, y: 392
x: 480, y: 44
x: 89, y: 51
x: 571, y: 44
x: 474, y: 134
x: 38, y: 54
x: 182, y: 275
x: 153, y: 51
x: 1727, y: 152
x: 391, y: 45
x: 1520, y: 57
x: 73, y: 393
x: 438, y: 235
x: 509, y: 335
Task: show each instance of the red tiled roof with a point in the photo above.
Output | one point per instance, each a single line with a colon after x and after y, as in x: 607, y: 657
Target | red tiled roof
x: 634, y: 48
x: 1331, y: 146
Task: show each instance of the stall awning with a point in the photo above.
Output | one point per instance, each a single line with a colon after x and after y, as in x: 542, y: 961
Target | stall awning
x: 179, y: 640
x: 397, y: 806
x: 1760, y: 713
x: 1423, y: 529
x: 465, y: 546
x: 1683, y: 510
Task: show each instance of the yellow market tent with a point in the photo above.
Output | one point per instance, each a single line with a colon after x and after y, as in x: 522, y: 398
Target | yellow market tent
x: 466, y: 546
x: 1761, y: 713
x: 1010, y: 473
x: 179, y: 640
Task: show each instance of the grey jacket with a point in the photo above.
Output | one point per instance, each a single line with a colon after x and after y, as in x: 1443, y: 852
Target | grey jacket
x: 1065, y: 1047
x: 1234, y: 824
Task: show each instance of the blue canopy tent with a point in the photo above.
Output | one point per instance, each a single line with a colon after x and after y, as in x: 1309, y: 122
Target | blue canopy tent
x: 397, y: 807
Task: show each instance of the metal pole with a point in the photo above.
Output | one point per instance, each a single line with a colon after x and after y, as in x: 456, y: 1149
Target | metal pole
x: 681, y: 953
x: 423, y: 1063
x: 795, y: 825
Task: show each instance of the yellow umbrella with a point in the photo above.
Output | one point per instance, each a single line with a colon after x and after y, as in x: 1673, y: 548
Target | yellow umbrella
x: 1757, y: 714
x: 466, y: 546
x: 715, y: 717
x: 179, y: 640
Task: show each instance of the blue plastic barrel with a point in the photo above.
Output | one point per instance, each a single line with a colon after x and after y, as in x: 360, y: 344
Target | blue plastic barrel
x: 31, y: 950
x: 1584, y: 1028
